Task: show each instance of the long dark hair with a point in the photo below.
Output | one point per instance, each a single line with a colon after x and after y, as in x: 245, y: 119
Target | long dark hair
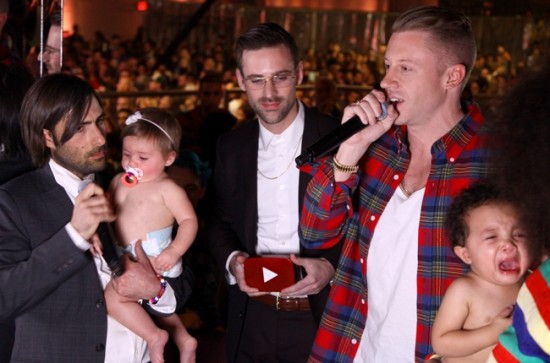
x: 49, y: 101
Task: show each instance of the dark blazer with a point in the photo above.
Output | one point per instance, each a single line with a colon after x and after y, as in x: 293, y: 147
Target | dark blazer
x: 233, y: 224
x: 49, y: 286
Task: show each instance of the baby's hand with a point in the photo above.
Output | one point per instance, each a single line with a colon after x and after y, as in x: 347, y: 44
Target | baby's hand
x: 504, y: 319
x: 166, y: 260
x: 506, y: 312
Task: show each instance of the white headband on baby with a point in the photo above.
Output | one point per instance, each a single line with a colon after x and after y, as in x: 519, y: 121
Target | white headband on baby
x: 136, y: 116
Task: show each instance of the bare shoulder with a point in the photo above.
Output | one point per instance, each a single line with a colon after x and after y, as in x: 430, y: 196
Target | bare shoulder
x: 463, y: 284
x: 167, y: 182
x: 169, y: 187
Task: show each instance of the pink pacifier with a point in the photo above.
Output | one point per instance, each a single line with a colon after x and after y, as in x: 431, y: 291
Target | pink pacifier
x: 131, y: 177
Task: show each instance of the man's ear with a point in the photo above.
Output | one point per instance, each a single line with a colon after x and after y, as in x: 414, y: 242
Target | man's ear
x: 240, y: 79
x: 170, y: 158
x: 463, y: 254
x: 48, y: 139
x: 299, y: 73
x: 455, y: 75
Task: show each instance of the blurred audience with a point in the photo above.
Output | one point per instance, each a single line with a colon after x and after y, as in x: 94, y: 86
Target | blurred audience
x: 204, y: 123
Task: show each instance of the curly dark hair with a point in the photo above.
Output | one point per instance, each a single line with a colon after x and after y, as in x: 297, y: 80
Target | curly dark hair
x: 480, y: 193
x: 521, y: 128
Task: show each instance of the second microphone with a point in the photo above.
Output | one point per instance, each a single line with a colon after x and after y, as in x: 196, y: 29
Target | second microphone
x: 334, y: 138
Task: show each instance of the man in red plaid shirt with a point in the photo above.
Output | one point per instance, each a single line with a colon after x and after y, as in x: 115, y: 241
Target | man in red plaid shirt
x: 385, y: 193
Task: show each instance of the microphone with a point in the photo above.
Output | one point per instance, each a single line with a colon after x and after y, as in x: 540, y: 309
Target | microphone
x: 334, y: 138
x: 108, y: 241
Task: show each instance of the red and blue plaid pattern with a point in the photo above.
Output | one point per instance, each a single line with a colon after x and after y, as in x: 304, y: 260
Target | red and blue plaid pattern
x: 349, y: 212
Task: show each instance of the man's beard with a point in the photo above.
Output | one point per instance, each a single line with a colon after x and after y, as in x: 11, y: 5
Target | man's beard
x: 269, y: 117
x: 80, y: 166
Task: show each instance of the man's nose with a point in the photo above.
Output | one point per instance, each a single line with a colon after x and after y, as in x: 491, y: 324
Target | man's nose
x: 269, y: 87
x: 99, y: 136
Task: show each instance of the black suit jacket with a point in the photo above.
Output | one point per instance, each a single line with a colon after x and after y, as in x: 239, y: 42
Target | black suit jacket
x: 233, y: 224
x: 49, y: 286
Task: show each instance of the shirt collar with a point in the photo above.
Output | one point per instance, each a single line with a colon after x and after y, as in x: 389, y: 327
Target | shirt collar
x: 290, y: 136
x: 456, y: 140
x: 67, y: 180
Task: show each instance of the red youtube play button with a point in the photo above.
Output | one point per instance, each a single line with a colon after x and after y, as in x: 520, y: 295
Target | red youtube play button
x: 271, y: 274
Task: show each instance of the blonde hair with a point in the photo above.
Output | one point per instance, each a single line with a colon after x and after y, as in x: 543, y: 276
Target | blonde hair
x: 451, y: 31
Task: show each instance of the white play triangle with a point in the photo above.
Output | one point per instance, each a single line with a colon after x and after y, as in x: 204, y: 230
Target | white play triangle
x: 268, y: 274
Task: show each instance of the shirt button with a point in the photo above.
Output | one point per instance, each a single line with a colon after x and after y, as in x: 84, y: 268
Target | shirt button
x: 99, y: 303
x: 361, y: 260
x: 372, y: 218
x: 363, y: 301
x: 99, y: 348
x: 396, y: 177
x: 452, y: 160
x: 354, y: 341
x: 347, y: 207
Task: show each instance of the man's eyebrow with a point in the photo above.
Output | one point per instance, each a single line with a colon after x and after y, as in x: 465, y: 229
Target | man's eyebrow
x: 277, y: 73
x: 86, y: 121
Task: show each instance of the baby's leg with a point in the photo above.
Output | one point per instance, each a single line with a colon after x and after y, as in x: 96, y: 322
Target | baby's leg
x: 187, y: 345
x: 130, y: 314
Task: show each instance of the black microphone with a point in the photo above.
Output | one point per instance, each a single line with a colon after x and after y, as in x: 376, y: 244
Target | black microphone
x: 108, y: 241
x: 334, y: 138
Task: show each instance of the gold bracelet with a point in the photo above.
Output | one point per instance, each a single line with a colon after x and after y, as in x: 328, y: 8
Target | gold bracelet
x: 344, y: 168
x: 434, y: 356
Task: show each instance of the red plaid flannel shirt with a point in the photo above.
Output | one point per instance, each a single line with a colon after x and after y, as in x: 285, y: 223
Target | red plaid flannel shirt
x: 332, y: 213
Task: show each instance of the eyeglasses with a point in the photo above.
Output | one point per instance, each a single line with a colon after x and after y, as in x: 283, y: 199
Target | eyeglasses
x: 282, y: 80
x: 50, y: 50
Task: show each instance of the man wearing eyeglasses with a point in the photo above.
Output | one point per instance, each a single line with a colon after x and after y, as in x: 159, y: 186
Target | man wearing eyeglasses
x: 258, y: 193
x: 51, y: 55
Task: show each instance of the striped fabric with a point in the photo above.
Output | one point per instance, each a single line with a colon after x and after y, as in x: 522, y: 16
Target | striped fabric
x: 528, y: 339
x: 332, y: 213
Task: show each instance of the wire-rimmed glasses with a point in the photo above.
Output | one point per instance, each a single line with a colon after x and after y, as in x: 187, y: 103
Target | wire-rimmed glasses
x: 280, y: 80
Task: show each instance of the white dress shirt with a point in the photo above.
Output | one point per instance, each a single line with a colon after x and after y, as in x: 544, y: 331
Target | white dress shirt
x: 122, y: 346
x: 278, y: 177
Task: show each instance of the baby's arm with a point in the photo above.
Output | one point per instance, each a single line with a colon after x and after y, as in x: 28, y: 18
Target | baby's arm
x: 178, y: 203
x: 449, y: 338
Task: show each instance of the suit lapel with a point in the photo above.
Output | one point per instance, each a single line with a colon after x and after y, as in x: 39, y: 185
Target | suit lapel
x: 54, y: 196
x: 311, y: 134
x: 249, y: 159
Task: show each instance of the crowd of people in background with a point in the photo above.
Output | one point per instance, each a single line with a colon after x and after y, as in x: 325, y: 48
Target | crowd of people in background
x: 114, y: 64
